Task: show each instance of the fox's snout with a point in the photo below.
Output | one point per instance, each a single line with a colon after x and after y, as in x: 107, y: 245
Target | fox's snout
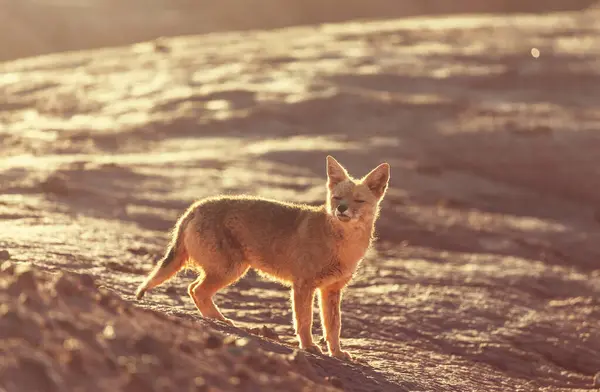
x: 345, y: 213
x: 342, y: 208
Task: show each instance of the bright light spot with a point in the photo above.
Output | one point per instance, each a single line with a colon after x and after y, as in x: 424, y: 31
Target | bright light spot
x: 9, y: 78
x: 217, y: 104
x: 535, y: 52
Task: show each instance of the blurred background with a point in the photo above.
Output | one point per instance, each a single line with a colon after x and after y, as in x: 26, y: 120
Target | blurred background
x: 32, y: 27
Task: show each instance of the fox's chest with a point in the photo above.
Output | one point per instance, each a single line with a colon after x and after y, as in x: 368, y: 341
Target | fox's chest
x: 352, y: 249
x: 344, y: 263
x: 337, y: 271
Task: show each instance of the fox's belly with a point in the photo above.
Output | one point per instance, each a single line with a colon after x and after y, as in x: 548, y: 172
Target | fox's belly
x: 288, y: 272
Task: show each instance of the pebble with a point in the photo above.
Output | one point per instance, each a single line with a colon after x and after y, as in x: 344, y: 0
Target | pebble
x: 64, y: 285
x: 299, y: 359
x: 109, y: 332
x: 269, y: 333
x: 7, y: 267
x: 213, y: 342
x: 25, y: 278
x: 55, y: 184
x: 335, y: 381
x: 4, y: 255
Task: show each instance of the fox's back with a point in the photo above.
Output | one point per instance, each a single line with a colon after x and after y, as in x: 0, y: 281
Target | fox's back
x: 253, y: 212
x: 262, y: 232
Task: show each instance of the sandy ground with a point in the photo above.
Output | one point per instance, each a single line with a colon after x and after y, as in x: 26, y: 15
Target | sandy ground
x: 486, y: 276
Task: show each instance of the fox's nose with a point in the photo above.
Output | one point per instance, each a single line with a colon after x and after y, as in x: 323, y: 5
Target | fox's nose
x: 342, y: 208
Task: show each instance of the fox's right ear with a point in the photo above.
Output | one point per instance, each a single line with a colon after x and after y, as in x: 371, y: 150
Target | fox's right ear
x: 335, y: 172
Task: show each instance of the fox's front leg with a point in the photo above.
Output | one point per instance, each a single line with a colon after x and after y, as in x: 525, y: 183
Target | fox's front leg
x: 303, y: 296
x: 330, y: 301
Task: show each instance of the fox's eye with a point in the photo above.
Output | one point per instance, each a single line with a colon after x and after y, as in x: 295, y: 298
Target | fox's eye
x: 337, y: 198
x: 359, y: 201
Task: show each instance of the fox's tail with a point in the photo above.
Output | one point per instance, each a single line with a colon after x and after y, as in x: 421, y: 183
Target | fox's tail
x: 174, y: 260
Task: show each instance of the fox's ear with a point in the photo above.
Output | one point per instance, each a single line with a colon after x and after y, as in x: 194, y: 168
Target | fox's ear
x: 335, y: 172
x: 377, y: 180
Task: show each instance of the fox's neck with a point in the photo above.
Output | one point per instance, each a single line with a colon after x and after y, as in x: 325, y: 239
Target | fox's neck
x: 353, y: 239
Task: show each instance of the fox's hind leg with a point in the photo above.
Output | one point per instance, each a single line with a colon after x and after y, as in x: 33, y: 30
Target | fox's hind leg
x: 203, y: 289
x: 216, y: 250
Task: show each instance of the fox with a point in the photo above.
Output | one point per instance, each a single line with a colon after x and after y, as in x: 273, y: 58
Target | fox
x: 307, y: 248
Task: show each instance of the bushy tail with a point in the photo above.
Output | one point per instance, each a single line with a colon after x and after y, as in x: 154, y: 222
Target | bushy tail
x: 175, y: 258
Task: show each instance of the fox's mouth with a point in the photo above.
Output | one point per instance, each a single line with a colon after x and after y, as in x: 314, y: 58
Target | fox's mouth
x: 342, y: 217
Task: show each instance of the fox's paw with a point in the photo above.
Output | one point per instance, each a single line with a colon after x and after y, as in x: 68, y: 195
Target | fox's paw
x: 343, y: 355
x: 139, y: 294
x: 228, y: 321
x: 313, y: 348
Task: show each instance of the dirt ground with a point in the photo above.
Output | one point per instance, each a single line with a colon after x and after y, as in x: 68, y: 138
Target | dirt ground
x: 486, y: 275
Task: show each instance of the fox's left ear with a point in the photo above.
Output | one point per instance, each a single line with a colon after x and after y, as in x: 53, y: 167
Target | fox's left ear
x: 377, y: 180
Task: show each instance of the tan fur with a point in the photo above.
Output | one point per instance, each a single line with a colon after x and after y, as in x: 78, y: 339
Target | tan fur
x: 308, y: 248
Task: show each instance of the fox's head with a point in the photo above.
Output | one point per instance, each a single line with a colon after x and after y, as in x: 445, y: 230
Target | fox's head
x: 351, y: 200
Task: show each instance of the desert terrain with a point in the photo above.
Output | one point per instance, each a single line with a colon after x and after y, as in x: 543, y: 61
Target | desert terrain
x: 486, y: 273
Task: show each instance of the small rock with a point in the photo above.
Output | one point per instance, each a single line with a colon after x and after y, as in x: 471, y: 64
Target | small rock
x: 8, y: 267
x: 109, y: 332
x: 145, y: 344
x: 26, y: 300
x: 10, y: 316
x: 4, y: 309
x: 171, y: 290
x: 104, y: 300
x: 270, y: 366
x: 128, y: 363
x: 55, y: 184
x: 242, y: 342
x: 161, y: 47
x: 213, y: 342
x: 199, y: 385
x: 87, y: 280
x: 335, y: 381
x: 298, y: 358
x: 243, y: 373
x: 140, y: 251
x: 72, y: 344
x: 148, y: 359
x: 63, y: 285
x: 113, y: 265
x: 25, y: 278
x: 4, y: 255
x: 123, y: 309
x: 596, y: 381
x: 269, y: 333
x: 185, y: 347
x: 135, y: 383
x: 72, y: 359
